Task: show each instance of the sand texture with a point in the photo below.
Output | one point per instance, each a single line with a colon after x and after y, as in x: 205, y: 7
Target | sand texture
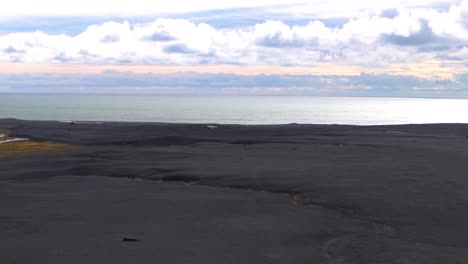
x: 184, y: 193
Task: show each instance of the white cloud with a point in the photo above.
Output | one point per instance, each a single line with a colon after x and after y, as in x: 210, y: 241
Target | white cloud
x: 376, y: 39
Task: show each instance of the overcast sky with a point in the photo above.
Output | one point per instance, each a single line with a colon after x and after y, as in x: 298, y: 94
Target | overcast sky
x: 334, y: 41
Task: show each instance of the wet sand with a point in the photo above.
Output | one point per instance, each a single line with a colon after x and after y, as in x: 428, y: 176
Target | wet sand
x: 235, y: 194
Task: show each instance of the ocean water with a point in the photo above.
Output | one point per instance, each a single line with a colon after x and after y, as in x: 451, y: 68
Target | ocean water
x: 233, y: 109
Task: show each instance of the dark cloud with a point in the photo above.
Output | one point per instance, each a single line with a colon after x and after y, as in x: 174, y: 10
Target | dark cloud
x: 159, y: 37
x: 422, y: 37
x: 391, y: 83
x: 124, y: 61
x: 178, y: 48
x: 63, y: 58
x: 86, y: 53
x: 279, y: 41
x: 360, y: 85
x: 437, y: 48
x: 390, y: 13
x: 12, y: 50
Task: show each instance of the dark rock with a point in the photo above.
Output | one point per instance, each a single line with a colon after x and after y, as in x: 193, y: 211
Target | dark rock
x: 130, y: 239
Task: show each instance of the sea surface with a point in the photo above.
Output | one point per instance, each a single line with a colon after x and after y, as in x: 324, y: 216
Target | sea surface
x: 233, y: 109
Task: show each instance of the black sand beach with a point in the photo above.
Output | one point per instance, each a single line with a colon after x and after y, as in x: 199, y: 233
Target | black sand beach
x: 235, y: 194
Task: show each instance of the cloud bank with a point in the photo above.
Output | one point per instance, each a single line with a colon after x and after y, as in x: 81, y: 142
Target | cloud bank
x: 376, y: 48
x: 378, y: 39
x: 199, y: 83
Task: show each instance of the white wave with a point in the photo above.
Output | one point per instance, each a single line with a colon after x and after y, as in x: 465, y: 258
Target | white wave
x: 13, y: 140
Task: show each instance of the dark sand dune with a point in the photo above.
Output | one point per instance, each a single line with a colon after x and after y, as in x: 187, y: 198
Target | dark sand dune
x: 236, y: 194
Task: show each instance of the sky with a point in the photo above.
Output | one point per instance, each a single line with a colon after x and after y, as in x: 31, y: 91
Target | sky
x: 409, y: 48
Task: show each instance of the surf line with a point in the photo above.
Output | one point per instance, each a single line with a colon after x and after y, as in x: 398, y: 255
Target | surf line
x: 13, y: 140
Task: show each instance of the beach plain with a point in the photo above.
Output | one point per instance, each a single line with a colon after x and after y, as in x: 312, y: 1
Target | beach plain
x: 114, y: 192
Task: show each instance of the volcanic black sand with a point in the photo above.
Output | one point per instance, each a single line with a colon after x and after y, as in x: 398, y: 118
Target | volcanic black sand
x: 184, y: 193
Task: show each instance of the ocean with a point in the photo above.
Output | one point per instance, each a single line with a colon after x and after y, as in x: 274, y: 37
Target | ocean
x: 233, y: 109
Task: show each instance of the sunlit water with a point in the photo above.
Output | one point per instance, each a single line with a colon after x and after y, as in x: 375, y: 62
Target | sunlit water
x: 234, y: 109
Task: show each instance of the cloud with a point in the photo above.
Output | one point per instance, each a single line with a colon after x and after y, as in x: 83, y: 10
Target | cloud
x: 393, y: 38
x: 463, y: 13
x: 110, y: 39
x: 423, y: 36
x: 365, y: 84
x: 381, y: 37
x: 390, y: 13
x: 11, y: 50
x: 159, y: 36
x: 177, y: 48
x: 277, y: 34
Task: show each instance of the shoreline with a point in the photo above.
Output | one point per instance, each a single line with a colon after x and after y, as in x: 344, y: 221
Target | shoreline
x: 13, y: 140
x: 101, y: 122
x: 234, y: 95
x: 257, y: 193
